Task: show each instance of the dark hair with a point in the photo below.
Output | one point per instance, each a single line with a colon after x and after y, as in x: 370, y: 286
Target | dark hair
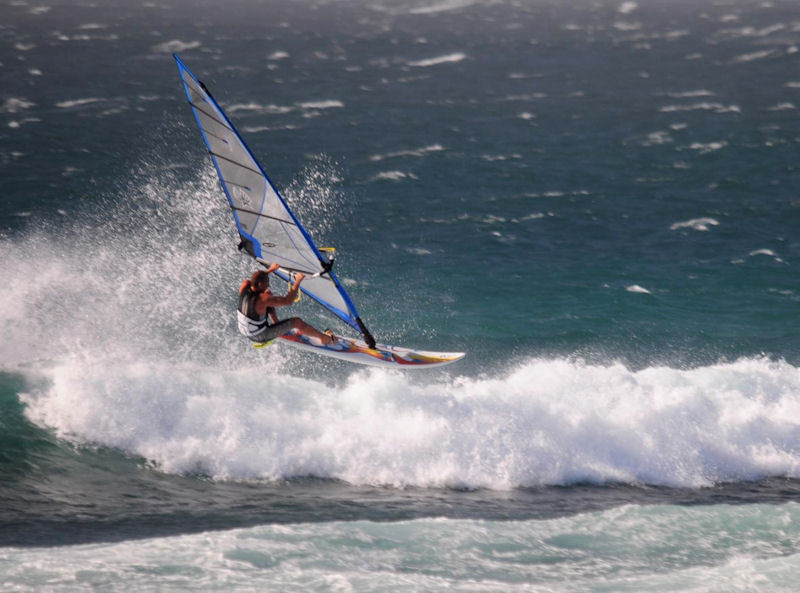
x: 258, y: 277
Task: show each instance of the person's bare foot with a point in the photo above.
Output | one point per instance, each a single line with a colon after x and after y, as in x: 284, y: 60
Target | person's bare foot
x: 331, y: 338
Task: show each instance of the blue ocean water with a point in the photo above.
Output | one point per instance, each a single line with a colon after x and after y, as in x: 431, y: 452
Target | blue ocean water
x: 596, y: 201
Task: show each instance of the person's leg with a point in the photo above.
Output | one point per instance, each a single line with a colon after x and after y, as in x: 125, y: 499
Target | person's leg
x: 294, y: 323
x: 309, y: 330
x: 274, y: 331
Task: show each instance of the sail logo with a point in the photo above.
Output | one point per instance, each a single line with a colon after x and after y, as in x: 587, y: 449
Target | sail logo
x: 241, y: 196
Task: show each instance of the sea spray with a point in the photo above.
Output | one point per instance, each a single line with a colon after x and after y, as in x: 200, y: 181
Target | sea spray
x: 147, y: 273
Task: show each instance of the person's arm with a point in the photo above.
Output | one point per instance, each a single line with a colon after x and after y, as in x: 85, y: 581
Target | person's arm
x: 297, y: 280
x: 289, y: 299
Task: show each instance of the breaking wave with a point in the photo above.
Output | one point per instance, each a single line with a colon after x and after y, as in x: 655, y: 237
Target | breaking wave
x: 544, y: 422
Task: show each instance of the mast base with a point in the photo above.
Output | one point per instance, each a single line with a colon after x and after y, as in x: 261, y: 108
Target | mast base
x: 367, y: 335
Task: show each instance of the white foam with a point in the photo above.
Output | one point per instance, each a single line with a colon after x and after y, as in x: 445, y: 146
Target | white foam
x: 258, y: 129
x: 697, y: 224
x: 393, y: 176
x: 444, y: 6
x: 494, y: 158
x: 417, y: 152
x: 691, y: 94
x: 534, y: 216
x: 525, y: 97
x: 329, y: 104
x: 258, y: 108
x: 767, y: 253
x: 783, y: 107
x: 446, y: 59
x: 752, y: 57
x: 657, y: 138
x: 750, y: 31
x: 77, y: 103
x: 676, y: 34
x: 15, y: 105
x: 627, y: 26
x: 17, y: 123
x: 705, y: 148
x: 556, y: 194
x: 702, y: 549
x: 544, y: 422
x: 637, y: 289
x: 704, y: 106
x: 175, y: 46
x: 627, y: 7
x: 310, y: 107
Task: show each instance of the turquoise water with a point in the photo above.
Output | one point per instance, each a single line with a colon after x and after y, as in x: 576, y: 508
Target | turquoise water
x: 596, y: 202
x: 629, y: 548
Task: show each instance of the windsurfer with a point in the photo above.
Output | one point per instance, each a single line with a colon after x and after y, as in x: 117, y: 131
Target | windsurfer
x: 256, y: 310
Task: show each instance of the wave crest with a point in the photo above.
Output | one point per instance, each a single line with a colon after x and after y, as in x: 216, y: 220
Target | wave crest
x: 545, y: 422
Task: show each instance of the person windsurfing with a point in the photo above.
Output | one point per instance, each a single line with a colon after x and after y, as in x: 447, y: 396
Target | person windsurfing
x: 256, y: 310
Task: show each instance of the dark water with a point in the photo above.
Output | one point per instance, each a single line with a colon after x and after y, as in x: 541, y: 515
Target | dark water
x: 597, y: 202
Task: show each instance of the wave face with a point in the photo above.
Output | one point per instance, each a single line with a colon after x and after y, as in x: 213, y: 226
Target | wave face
x: 544, y: 422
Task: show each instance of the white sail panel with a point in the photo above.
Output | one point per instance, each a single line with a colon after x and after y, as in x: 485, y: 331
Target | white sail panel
x: 269, y: 230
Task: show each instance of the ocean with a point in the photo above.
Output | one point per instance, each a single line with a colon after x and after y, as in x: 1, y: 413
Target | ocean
x: 595, y: 200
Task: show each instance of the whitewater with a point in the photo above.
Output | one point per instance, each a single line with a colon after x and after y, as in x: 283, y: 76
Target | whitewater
x: 546, y: 422
x: 631, y: 548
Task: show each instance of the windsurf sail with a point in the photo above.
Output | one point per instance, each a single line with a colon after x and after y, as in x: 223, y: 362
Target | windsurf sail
x: 268, y: 229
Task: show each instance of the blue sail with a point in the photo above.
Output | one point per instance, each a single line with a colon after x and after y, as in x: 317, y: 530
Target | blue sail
x: 269, y: 230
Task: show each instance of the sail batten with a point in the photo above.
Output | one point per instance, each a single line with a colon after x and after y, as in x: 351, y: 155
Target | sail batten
x: 235, y: 163
x: 207, y: 114
x: 237, y: 209
x: 229, y: 182
x: 267, y: 226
